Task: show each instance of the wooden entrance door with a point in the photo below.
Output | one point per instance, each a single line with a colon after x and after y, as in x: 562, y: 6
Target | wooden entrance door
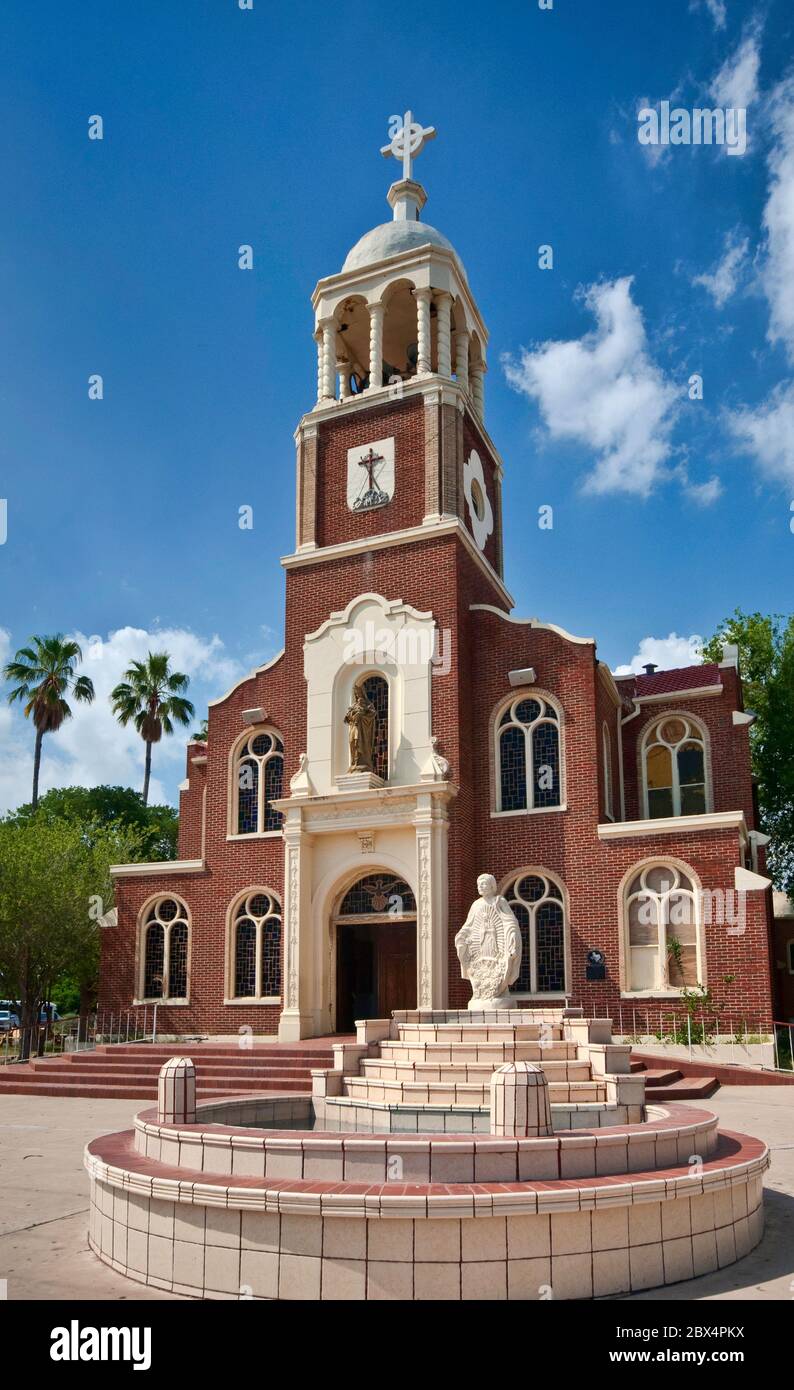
x: 396, y: 968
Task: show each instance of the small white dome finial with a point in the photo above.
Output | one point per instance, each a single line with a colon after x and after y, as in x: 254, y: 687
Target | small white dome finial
x: 408, y: 139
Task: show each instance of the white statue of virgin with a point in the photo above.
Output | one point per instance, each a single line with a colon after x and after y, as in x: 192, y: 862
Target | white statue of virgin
x: 489, y: 947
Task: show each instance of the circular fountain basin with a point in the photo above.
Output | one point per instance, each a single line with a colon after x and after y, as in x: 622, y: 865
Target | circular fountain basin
x: 252, y: 1201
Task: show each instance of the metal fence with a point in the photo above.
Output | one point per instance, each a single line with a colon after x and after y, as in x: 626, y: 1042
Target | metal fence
x: 78, y: 1034
x: 700, y: 1029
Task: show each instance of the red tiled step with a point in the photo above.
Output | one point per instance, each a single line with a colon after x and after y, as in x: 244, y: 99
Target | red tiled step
x: 663, y: 1077
x: 684, y: 1088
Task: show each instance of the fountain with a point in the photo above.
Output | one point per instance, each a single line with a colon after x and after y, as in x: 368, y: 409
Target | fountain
x: 486, y: 1153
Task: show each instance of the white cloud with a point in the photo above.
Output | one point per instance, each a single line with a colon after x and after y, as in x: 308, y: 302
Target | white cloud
x: 5, y: 645
x: 736, y: 83
x: 715, y: 8
x: 603, y: 391
x: 91, y: 747
x: 723, y: 281
x: 667, y: 653
x: 777, y: 276
x: 767, y: 433
x: 704, y: 494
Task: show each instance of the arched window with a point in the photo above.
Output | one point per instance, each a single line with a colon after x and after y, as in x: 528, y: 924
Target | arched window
x: 378, y: 895
x: 537, y: 902
x: 528, y: 746
x: 662, y: 921
x: 376, y: 689
x: 258, y: 781
x: 674, y: 766
x: 256, y: 946
x: 606, y: 743
x: 164, y: 953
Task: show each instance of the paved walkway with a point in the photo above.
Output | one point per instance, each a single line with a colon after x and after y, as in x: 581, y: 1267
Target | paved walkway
x: 44, y: 1200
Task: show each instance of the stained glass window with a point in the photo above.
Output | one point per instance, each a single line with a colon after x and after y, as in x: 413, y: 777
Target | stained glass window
x: 537, y: 903
x: 257, y: 946
x: 529, y: 756
x: 661, y: 914
x: 259, y: 772
x: 165, y: 951
x: 674, y: 755
x: 378, y: 894
x: 376, y: 689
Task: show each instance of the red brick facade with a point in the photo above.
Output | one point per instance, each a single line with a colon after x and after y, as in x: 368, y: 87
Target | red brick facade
x: 440, y: 571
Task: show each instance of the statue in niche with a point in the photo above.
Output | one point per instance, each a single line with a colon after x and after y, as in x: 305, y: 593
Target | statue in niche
x: 489, y: 947
x: 360, y: 719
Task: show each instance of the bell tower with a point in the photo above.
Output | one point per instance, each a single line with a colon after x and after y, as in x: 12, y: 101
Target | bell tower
x: 395, y: 445
x: 398, y: 540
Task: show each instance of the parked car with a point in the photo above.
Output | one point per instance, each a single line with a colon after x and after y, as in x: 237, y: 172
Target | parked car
x: 8, y: 1021
x: 54, y: 1016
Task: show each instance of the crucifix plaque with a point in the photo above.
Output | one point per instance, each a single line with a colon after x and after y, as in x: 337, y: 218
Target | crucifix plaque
x: 370, y: 475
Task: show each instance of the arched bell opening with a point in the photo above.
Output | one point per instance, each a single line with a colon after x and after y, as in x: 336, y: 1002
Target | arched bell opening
x: 352, y: 339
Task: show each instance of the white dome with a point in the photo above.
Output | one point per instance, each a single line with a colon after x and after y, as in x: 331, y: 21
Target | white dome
x: 390, y: 238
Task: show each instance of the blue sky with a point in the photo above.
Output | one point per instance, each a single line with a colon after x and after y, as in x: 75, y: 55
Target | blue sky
x: 225, y: 126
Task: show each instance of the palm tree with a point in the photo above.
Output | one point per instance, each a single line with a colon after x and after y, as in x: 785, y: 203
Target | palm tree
x: 150, y: 695
x: 45, y: 672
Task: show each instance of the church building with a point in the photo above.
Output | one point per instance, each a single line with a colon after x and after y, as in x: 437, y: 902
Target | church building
x: 415, y: 733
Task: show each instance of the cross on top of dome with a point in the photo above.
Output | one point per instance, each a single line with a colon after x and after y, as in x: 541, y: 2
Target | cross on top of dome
x: 407, y: 141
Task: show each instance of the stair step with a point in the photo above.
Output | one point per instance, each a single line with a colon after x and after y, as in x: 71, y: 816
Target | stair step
x: 686, y: 1088
x: 662, y: 1077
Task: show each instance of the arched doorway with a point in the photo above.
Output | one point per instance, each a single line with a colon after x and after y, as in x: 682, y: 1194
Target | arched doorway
x: 375, y: 927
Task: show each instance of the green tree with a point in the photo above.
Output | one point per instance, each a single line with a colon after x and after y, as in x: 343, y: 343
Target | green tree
x: 158, y: 825
x: 55, y: 885
x: 766, y: 665
x: 201, y: 734
x: 44, y: 673
x: 151, y: 697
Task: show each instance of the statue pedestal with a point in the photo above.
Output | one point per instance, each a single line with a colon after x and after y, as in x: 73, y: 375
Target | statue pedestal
x: 502, y: 1001
x: 359, y: 782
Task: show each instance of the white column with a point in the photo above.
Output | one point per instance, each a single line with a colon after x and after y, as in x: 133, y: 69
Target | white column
x: 329, y: 359
x: 443, y: 331
x: 430, y: 820
x: 343, y: 372
x: 375, y: 346
x: 423, y: 356
x: 478, y: 388
x: 318, y: 338
x: 462, y: 358
x: 296, y: 1017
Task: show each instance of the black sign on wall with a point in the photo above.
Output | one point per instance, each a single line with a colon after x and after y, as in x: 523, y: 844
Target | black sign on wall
x: 596, y: 967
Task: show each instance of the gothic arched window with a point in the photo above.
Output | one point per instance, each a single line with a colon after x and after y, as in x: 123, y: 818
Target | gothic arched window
x: 537, y: 902
x: 528, y: 762
x: 255, y: 929
x: 258, y: 781
x: 165, y: 934
x: 662, y: 929
x: 376, y: 689
x: 674, y: 767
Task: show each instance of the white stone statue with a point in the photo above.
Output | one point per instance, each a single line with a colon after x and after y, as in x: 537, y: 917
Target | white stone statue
x: 489, y: 947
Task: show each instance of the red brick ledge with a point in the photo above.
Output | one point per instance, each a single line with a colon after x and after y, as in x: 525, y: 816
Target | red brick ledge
x: 112, y: 1159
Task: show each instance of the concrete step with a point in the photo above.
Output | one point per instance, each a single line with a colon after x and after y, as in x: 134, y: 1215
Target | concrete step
x: 479, y: 1032
x: 495, y: 1053
x: 686, y: 1088
x: 376, y: 1068
x: 460, y: 1092
x: 662, y: 1077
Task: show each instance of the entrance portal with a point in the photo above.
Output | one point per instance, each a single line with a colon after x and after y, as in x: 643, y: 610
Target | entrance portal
x: 375, y: 950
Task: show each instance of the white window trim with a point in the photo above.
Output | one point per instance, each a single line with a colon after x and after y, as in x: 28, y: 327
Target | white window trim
x: 663, y: 991
x: 179, y: 1000
x: 533, y: 992
x: 530, y: 692
x: 231, y: 938
x: 232, y: 802
x: 654, y: 723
